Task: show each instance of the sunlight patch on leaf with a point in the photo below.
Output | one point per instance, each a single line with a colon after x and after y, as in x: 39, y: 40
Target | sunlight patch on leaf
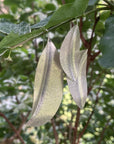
x: 8, y: 27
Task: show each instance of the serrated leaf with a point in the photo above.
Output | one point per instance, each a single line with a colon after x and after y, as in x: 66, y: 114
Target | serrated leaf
x: 65, y: 13
x: 47, y: 87
x: 70, y: 45
x: 8, y: 27
x: 13, y: 40
x: 73, y: 62
x: 107, y: 44
x: 41, y: 23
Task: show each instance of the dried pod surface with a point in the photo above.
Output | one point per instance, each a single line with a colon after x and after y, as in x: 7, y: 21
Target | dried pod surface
x: 73, y: 62
x: 69, y: 47
x: 78, y: 88
x: 47, y: 88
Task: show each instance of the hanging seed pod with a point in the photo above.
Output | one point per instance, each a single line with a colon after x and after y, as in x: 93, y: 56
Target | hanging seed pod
x: 69, y: 48
x: 73, y: 62
x: 78, y: 88
x: 47, y: 88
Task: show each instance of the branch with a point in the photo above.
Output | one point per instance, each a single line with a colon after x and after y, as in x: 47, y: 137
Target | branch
x: 12, y: 127
x: 103, y: 131
x: 109, y: 3
x: 18, y: 102
x: 70, y: 128
x: 54, y: 130
x: 91, y: 58
x: 76, y: 125
x: 81, y: 134
x: 95, y: 55
x: 63, y: 2
x: 92, y: 84
x: 86, y: 44
x: 90, y: 42
x: 95, y: 23
x: 35, y: 47
x: 84, y: 129
x: 20, y: 128
x: 15, y: 135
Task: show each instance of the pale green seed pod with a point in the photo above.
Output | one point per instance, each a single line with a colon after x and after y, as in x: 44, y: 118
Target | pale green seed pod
x: 73, y: 62
x: 47, y: 88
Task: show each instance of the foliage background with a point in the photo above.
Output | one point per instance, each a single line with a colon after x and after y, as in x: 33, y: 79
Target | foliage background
x: 17, y: 79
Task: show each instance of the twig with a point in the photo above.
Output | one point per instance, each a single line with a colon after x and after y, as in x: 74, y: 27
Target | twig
x: 101, y: 4
x: 18, y: 102
x: 20, y: 128
x: 55, y: 132
x: 86, y: 44
x: 90, y: 42
x: 76, y: 125
x: 63, y: 2
x: 109, y: 3
x: 95, y: 23
x: 70, y: 128
x: 12, y: 127
x: 95, y: 55
x: 84, y: 129
x: 92, y: 84
x: 81, y: 134
x: 103, y: 131
x: 91, y: 58
x: 35, y: 47
x: 18, y: 131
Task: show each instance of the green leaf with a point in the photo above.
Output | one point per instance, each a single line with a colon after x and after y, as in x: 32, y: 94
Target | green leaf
x: 41, y: 23
x: 13, y: 40
x: 66, y: 1
x: 100, y: 28
x: 50, y: 7
x: 47, y: 87
x: 68, y: 11
x: 92, y: 2
x: 8, y: 27
x: 7, y: 16
x: 107, y: 44
x: 10, y: 2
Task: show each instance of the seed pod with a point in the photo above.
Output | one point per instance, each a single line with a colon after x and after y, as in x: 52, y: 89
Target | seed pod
x: 78, y: 88
x: 47, y: 88
x: 69, y: 48
x: 73, y: 62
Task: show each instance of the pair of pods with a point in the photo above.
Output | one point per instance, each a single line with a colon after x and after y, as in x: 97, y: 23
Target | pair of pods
x: 48, y: 85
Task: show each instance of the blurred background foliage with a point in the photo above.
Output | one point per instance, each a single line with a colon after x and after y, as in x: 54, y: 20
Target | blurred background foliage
x: 17, y: 80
